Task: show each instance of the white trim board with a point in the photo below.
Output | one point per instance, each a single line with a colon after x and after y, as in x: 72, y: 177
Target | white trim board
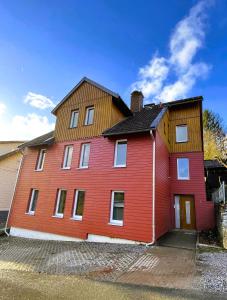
x: 106, y: 239
x: 38, y: 235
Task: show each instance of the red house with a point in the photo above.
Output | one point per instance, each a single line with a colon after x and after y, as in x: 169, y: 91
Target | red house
x: 110, y: 173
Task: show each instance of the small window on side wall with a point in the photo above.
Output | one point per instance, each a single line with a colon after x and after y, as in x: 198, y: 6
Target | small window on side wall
x: 74, y: 119
x: 60, y: 203
x: 78, y: 205
x: 40, y: 160
x: 183, y: 169
x: 120, y: 155
x: 67, y: 160
x: 89, y: 115
x: 84, y: 156
x: 33, y: 201
x: 181, y: 133
x: 117, y: 208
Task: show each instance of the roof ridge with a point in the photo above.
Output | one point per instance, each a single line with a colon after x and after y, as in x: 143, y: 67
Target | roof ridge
x: 99, y: 86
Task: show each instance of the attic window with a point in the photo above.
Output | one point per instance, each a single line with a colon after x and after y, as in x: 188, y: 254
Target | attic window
x: 89, y: 115
x: 74, y: 119
x: 181, y: 133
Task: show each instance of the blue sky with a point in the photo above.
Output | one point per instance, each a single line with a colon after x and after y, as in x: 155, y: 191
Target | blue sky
x: 169, y: 49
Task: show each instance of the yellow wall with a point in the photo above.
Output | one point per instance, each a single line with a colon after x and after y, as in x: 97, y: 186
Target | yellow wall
x: 8, y: 173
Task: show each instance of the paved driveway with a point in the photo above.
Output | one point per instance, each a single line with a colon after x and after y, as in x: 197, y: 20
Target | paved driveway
x: 164, y: 268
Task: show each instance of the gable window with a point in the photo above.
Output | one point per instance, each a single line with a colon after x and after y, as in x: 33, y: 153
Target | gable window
x: 40, y: 160
x: 33, y: 201
x: 78, y: 205
x: 181, y: 133
x: 84, y: 155
x: 74, y: 118
x: 117, y: 208
x: 120, y: 153
x: 183, y: 168
x: 89, y: 115
x: 68, y: 153
x: 60, y: 204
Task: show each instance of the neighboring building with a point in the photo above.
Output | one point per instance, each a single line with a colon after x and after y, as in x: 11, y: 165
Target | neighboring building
x: 10, y: 158
x: 110, y: 173
x: 215, y: 174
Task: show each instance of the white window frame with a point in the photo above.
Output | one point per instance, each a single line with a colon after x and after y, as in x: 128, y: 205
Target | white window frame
x: 115, y: 154
x: 185, y: 140
x: 112, y: 221
x: 42, y: 154
x: 82, y: 155
x: 66, y: 152
x: 73, y: 112
x: 32, y: 212
x: 87, y: 113
x: 75, y: 216
x: 56, y: 214
x: 183, y: 178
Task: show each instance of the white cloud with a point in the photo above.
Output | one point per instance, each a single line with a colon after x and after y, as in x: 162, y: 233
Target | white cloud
x: 2, y: 108
x: 185, y: 41
x: 24, y: 127
x: 38, y: 101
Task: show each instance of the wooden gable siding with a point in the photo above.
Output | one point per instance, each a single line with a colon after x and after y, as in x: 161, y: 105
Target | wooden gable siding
x: 183, y: 115
x: 164, y: 129
x: 186, y: 115
x: 104, y: 114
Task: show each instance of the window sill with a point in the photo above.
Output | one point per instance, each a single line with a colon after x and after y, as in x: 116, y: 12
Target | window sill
x: 183, y: 179
x: 30, y: 213
x: 82, y: 168
x: 58, y: 217
x: 120, y: 166
x: 77, y: 218
x: 65, y: 169
x: 115, y: 224
x: 39, y: 170
x: 181, y: 142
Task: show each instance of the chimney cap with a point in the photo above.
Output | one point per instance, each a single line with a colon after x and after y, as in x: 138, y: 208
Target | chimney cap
x: 137, y: 92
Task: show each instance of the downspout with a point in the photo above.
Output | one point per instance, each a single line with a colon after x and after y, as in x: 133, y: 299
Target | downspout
x: 153, y: 188
x: 14, y: 190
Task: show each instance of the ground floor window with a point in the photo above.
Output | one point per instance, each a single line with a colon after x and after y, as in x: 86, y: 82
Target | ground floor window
x: 33, y: 201
x: 117, y: 208
x: 60, y: 203
x: 78, y: 205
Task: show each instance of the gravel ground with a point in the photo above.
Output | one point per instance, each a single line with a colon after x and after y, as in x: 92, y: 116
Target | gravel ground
x: 213, y: 268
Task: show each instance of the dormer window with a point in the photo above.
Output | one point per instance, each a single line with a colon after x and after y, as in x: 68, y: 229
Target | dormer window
x: 181, y: 133
x: 74, y: 118
x: 89, y: 115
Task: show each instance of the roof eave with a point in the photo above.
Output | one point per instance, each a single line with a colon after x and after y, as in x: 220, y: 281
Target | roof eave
x: 125, y: 132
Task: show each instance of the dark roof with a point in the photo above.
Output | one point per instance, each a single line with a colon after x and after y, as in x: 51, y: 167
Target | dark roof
x: 116, y: 97
x: 184, y: 101
x: 213, y: 164
x: 45, y: 139
x: 8, y: 154
x: 141, y: 121
x: 148, y: 118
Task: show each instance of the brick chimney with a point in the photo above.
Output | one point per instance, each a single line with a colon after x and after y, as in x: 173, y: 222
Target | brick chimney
x: 136, y: 101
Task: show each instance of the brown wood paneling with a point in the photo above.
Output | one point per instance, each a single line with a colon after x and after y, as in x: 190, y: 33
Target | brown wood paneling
x: 163, y: 129
x: 190, y: 115
x: 105, y: 114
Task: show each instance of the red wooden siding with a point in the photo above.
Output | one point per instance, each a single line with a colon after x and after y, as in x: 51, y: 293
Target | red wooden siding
x: 162, y: 202
x: 98, y: 181
x: 195, y: 186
